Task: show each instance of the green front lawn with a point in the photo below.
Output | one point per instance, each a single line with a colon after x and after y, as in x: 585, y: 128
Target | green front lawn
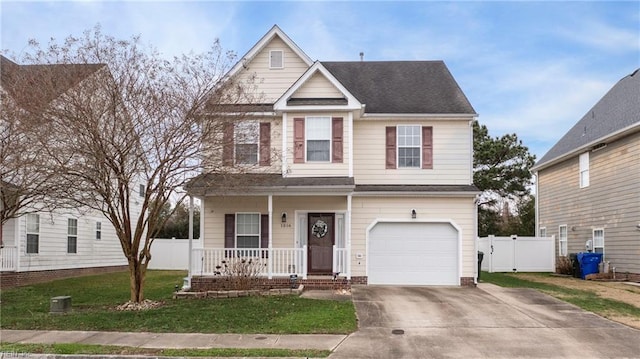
x: 94, y: 299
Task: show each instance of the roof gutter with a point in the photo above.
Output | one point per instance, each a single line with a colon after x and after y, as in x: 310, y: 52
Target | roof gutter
x: 611, y: 137
x: 465, y: 116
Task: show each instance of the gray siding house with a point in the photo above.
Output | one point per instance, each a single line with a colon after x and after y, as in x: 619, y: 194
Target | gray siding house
x: 588, y: 184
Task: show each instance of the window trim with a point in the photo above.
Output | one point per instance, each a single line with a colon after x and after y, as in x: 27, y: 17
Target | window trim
x: 259, y: 235
x: 593, y: 238
x: 562, y: 240
x: 98, y: 231
x: 306, y: 138
x: 583, y: 173
x: 271, y: 66
x: 36, y: 233
x: 72, y: 235
x: 419, y: 147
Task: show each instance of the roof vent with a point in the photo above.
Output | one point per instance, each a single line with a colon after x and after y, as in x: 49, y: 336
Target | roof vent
x: 599, y: 146
x: 361, y: 56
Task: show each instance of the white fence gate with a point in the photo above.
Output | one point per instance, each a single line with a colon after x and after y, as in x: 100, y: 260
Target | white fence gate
x: 171, y: 253
x: 518, y: 254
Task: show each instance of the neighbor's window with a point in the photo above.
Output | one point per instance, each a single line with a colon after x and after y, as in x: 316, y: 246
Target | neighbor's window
x: 98, y: 231
x: 246, y: 139
x: 543, y: 231
x: 409, y: 146
x: 247, y: 230
x: 141, y: 190
x: 276, y: 59
x: 584, y: 170
x: 318, y: 135
x: 598, y: 240
x: 562, y: 240
x: 72, y: 235
x: 33, y: 233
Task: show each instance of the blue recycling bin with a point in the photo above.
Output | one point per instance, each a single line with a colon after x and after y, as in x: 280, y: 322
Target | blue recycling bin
x: 589, y: 263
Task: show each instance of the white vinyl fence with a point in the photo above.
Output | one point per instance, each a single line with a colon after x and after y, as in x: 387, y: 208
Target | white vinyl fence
x: 171, y: 253
x: 518, y: 254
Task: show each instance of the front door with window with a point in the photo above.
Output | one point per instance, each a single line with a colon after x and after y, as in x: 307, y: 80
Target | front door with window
x: 321, y: 238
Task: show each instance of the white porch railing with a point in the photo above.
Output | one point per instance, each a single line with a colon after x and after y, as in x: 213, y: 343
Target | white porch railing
x: 270, y: 262
x: 8, y: 258
x: 341, y: 261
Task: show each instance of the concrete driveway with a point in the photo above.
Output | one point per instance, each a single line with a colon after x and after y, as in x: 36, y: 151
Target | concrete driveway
x: 484, y: 322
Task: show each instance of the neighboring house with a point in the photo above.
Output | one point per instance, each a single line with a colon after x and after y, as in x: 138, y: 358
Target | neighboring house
x: 588, y: 184
x: 43, y: 245
x: 363, y: 171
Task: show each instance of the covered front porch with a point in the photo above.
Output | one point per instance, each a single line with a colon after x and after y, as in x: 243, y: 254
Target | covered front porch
x: 274, y: 227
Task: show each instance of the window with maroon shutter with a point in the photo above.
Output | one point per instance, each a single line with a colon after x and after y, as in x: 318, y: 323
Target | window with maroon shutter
x: 337, y: 137
x: 264, y: 234
x: 298, y: 140
x: 228, y: 145
x: 265, y: 144
x: 229, y: 233
x: 391, y: 147
x: 427, y: 147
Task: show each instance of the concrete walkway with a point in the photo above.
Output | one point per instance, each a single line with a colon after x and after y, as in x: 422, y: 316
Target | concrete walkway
x: 175, y: 341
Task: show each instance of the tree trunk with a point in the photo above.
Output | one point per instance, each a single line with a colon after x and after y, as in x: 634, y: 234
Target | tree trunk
x: 137, y: 273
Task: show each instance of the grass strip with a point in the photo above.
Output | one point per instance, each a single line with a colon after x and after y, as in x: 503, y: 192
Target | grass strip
x: 586, y: 300
x: 16, y: 348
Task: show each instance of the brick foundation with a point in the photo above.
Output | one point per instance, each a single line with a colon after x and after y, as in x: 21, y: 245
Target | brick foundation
x: 17, y: 279
x: 467, y: 282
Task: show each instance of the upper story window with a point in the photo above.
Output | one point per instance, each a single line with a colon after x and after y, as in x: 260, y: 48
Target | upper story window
x: 318, y: 135
x: 141, y: 190
x: 72, y: 235
x: 584, y: 170
x: 246, y: 138
x: 276, y: 59
x: 409, y: 146
x: 33, y: 233
x: 98, y: 231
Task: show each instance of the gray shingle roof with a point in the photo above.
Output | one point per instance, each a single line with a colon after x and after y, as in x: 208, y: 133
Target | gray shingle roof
x: 402, y: 86
x: 260, y: 182
x: 617, y: 110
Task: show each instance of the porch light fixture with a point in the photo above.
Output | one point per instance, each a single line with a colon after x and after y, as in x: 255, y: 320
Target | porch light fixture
x: 284, y: 217
x: 413, y: 214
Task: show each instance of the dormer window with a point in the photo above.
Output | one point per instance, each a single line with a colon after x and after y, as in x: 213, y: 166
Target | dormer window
x: 276, y: 59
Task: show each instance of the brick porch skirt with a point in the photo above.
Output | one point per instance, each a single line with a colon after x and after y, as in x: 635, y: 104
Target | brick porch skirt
x: 209, y: 283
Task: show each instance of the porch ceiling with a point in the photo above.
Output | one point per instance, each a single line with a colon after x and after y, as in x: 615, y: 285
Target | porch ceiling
x: 254, y: 183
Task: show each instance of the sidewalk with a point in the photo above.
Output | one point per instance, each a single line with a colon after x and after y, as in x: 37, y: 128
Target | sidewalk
x: 176, y: 341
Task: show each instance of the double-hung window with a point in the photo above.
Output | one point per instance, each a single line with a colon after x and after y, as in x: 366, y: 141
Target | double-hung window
x: 584, y: 170
x: 318, y: 136
x: 72, y: 235
x: 98, y: 231
x: 409, y: 146
x: 33, y: 233
x: 562, y: 240
x: 246, y: 139
x: 598, y: 240
x: 247, y: 230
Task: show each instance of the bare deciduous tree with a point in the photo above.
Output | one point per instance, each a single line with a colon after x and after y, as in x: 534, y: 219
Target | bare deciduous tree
x: 128, y: 138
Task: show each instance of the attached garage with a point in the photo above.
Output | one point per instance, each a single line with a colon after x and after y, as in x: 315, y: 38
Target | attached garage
x: 413, y: 253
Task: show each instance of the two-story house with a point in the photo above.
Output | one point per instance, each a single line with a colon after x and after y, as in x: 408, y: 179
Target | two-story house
x: 588, y: 184
x: 45, y: 244
x: 372, y: 181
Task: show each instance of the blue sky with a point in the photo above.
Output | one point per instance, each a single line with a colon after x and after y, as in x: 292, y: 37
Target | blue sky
x: 533, y: 68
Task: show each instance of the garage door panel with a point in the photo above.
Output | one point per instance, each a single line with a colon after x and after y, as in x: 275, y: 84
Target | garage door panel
x: 413, y: 254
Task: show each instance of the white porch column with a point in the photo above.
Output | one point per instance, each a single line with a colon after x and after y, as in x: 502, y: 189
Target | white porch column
x: 347, y: 225
x: 188, y: 283
x: 16, y: 238
x: 270, y: 257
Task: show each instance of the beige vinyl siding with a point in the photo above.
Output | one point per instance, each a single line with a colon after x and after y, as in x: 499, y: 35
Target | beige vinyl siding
x: 611, y: 201
x: 317, y: 87
x: 451, y: 153
x: 318, y: 169
x: 9, y: 232
x: 52, y: 252
x: 270, y: 84
x: 365, y: 210
x: 283, y: 235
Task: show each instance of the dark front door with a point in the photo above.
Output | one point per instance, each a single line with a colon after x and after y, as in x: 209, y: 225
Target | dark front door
x: 321, y: 239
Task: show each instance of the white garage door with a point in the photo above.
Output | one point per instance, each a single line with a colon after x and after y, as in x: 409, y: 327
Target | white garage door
x: 413, y: 254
